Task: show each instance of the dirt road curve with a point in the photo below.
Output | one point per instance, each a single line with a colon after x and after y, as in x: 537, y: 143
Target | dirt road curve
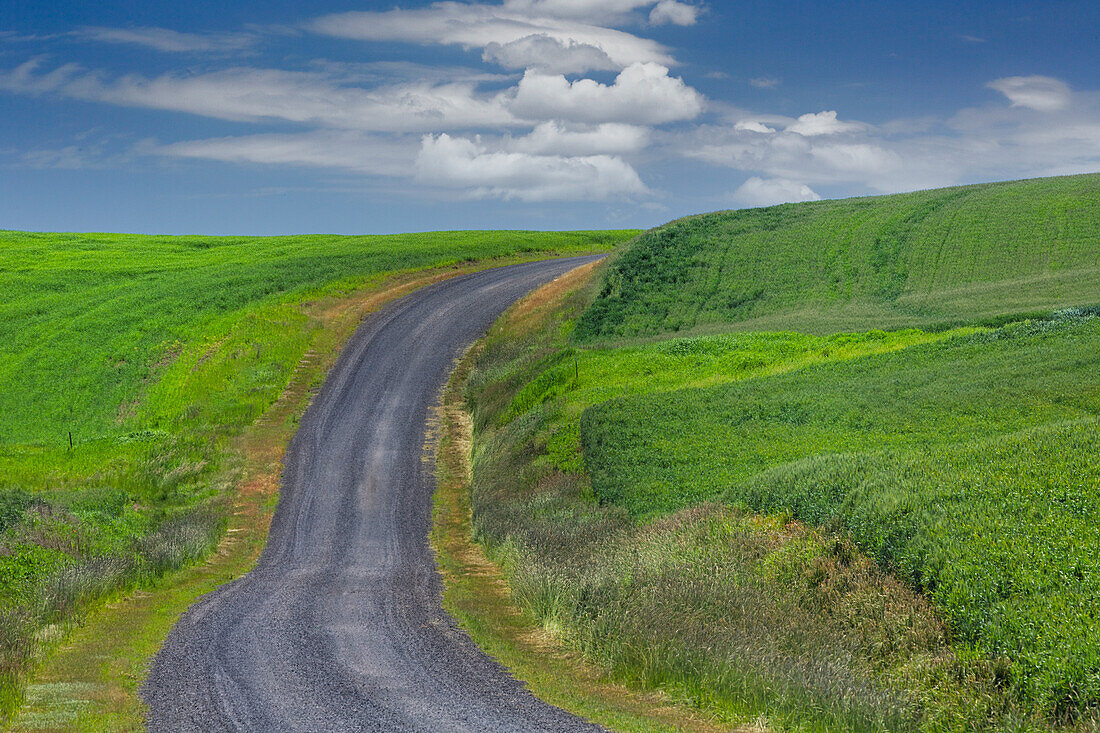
x: 339, y: 627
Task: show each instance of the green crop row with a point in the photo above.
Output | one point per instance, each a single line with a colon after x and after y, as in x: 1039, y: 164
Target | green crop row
x: 969, y: 466
x: 87, y: 320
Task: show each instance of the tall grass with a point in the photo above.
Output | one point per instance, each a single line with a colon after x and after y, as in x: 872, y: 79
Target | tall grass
x: 1000, y: 534
x: 57, y: 599
x: 961, y: 458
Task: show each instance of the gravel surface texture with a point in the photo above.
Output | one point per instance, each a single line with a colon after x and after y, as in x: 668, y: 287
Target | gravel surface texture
x: 339, y: 627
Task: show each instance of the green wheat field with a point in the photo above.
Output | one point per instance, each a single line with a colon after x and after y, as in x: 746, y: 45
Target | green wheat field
x: 812, y: 467
x: 835, y: 465
x: 151, y: 354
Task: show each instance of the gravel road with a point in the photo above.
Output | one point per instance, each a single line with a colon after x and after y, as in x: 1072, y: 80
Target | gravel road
x: 339, y: 627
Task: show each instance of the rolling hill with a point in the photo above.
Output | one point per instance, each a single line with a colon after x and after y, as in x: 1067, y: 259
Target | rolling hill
x: 743, y: 411
x: 925, y: 259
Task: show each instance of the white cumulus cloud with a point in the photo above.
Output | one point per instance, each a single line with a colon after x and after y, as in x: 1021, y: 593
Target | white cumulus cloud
x: 466, y: 165
x: 753, y: 126
x: 1042, y: 93
x: 546, y: 53
x: 673, y: 12
x: 821, y: 123
x: 760, y: 192
x: 642, y: 94
x: 558, y: 138
x: 551, y: 135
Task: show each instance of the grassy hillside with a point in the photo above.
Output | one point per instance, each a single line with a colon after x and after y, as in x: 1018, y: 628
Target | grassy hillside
x: 955, y: 255
x: 155, y: 353
x: 88, y: 319
x: 644, y: 452
x: 956, y: 450
x: 750, y: 618
x: 970, y: 467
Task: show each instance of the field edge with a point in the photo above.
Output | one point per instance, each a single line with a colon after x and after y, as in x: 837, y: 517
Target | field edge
x: 477, y: 594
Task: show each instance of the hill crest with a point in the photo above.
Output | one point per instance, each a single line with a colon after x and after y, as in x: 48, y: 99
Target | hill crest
x: 926, y: 259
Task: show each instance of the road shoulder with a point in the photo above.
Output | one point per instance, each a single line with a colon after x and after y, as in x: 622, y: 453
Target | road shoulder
x: 477, y: 595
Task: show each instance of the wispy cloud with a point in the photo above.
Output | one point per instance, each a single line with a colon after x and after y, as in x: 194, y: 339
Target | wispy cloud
x: 169, y: 41
x: 93, y: 149
x: 333, y: 149
x: 17, y: 37
x: 468, y: 166
x: 521, y: 27
x: 764, y: 82
x: 641, y: 94
x: 555, y: 100
x: 392, y: 73
x: 249, y: 94
x: 1047, y: 129
x: 603, y: 12
x: 69, y: 157
x: 1034, y: 92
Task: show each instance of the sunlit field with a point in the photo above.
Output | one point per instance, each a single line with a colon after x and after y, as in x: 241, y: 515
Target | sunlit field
x: 787, y: 515
x: 927, y: 260
x: 151, y: 354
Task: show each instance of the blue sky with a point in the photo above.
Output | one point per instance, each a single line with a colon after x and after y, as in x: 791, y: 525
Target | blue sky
x: 359, y: 117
